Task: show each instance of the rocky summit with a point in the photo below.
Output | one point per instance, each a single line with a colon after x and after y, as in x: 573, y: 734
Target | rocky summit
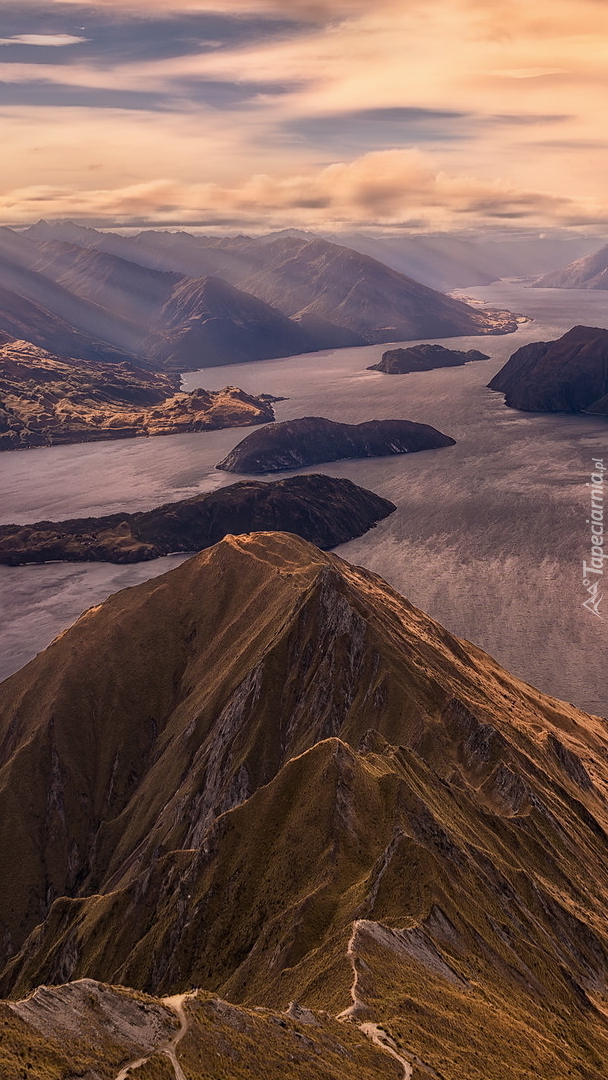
x: 262, y: 816
x: 46, y: 400
x: 567, y: 375
x: 310, y: 440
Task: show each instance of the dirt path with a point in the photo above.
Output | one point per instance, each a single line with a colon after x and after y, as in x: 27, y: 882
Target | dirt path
x: 382, y: 1039
x: 170, y: 1049
x: 177, y: 1004
x: 374, y: 1032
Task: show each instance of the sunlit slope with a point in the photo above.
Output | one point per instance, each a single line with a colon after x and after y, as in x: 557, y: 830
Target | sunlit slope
x: 268, y: 775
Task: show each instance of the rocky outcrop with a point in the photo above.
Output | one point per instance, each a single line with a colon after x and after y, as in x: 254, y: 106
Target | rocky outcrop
x: 311, y: 440
x: 92, y: 1031
x: 424, y: 358
x: 567, y: 375
x: 48, y: 400
x: 321, y: 509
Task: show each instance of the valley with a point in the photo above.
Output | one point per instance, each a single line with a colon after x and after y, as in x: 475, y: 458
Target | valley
x: 495, y: 555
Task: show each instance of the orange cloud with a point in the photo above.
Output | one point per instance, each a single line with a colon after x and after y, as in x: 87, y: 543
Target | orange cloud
x: 386, y: 188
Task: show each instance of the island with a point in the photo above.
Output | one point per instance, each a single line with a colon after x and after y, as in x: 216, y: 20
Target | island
x: 321, y: 509
x: 311, y: 440
x: 424, y: 358
x: 568, y: 375
x: 49, y: 400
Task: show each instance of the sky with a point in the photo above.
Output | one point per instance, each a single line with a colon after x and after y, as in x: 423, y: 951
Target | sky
x: 464, y: 116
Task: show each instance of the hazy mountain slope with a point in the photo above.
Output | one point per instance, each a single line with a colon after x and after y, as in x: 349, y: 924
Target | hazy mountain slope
x: 589, y: 272
x: 123, y: 287
x: 21, y: 319
x: 305, y: 277
x: 178, y: 321
x: 441, y: 263
x: 322, y: 795
x: 358, y: 292
x: 449, y: 262
x: 567, y: 375
x: 18, y: 277
x: 180, y: 252
x: 206, y: 322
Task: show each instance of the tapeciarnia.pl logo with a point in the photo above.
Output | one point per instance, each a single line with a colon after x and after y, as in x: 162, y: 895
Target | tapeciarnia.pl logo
x: 593, y: 571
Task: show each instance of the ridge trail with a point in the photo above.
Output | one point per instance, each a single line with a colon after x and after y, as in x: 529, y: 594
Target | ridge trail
x: 175, y: 1003
x: 373, y: 1031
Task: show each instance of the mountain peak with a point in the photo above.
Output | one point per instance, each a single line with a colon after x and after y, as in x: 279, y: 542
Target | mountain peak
x: 268, y: 774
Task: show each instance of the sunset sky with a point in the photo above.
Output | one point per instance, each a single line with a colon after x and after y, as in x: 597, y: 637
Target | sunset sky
x: 438, y: 115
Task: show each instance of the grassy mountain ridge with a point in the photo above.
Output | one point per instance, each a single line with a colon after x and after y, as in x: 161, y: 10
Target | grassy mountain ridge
x: 323, y: 796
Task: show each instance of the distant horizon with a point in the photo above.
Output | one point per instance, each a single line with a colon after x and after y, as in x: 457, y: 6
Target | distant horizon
x: 369, y: 231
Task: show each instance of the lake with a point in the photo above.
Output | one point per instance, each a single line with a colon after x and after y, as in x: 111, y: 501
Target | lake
x: 489, y: 536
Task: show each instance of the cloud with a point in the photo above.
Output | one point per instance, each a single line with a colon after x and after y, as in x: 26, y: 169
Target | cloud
x: 56, y: 40
x: 385, y: 188
x: 492, y: 88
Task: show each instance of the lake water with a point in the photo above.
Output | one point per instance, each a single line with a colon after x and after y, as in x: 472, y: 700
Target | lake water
x: 489, y: 536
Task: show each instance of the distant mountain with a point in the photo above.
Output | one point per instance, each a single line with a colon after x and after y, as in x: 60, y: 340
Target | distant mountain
x: 424, y: 358
x: 567, y: 375
x: 304, y: 278
x: 22, y: 319
x: 590, y: 272
x: 47, y: 400
x: 122, y: 287
x: 361, y: 294
x: 267, y: 775
x: 19, y: 277
x: 324, y: 510
x: 207, y: 322
x: 310, y: 440
x: 446, y: 262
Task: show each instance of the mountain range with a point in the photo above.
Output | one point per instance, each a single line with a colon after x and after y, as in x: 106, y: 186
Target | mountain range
x: 448, y: 262
x: 269, y: 776
x: 177, y: 301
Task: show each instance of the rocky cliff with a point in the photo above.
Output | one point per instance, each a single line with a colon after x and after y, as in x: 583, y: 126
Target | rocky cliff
x: 567, y: 375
